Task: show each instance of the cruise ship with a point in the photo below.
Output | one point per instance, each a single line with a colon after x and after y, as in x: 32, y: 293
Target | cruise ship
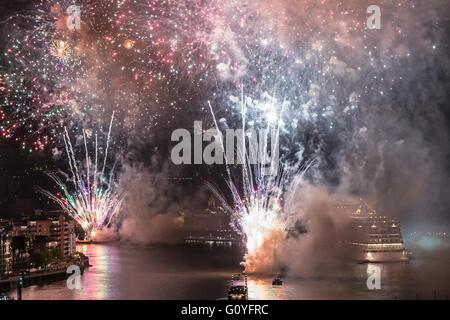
x: 377, y: 237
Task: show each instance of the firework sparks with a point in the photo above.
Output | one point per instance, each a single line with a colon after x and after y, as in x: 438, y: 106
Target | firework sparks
x: 91, y: 198
x: 261, y: 204
x: 134, y: 55
x: 150, y: 46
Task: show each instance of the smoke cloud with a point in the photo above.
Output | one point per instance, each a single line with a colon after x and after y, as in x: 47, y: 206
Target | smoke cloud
x: 150, y: 216
x: 376, y: 112
x: 325, y: 233
x: 317, y: 241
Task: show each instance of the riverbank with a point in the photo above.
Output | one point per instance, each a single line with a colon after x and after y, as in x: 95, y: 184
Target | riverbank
x: 42, y: 277
x: 37, y: 278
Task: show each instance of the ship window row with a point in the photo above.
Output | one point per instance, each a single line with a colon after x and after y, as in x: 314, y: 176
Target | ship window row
x: 385, y: 241
x: 384, y: 237
x: 382, y: 251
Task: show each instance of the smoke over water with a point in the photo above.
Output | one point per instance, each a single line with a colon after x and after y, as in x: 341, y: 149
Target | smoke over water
x: 150, y: 210
x: 315, y: 241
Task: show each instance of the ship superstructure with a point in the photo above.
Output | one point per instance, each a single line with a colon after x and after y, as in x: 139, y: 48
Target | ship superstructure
x: 378, y: 238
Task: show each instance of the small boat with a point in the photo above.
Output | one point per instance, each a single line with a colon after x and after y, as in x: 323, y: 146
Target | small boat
x: 277, y: 282
x: 235, y: 277
x: 5, y: 297
x: 238, y: 292
x: 84, y: 241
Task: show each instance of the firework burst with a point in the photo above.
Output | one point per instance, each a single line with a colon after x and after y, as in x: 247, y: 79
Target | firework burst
x: 91, y: 197
x: 262, y: 195
x: 60, y: 49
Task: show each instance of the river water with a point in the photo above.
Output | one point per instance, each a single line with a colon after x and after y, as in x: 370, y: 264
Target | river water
x: 158, y: 272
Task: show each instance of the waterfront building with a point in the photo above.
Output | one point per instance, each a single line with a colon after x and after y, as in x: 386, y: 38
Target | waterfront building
x: 5, y: 252
x: 210, y: 224
x: 52, y: 230
x: 55, y: 230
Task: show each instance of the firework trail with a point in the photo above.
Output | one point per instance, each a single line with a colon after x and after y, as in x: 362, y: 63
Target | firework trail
x: 92, y: 199
x: 261, y: 204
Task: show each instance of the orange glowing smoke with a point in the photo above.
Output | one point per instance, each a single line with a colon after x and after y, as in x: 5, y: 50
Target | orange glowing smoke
x: 264, y: 259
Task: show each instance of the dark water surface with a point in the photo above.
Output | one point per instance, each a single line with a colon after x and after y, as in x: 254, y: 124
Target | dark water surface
x: 126, y: 272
